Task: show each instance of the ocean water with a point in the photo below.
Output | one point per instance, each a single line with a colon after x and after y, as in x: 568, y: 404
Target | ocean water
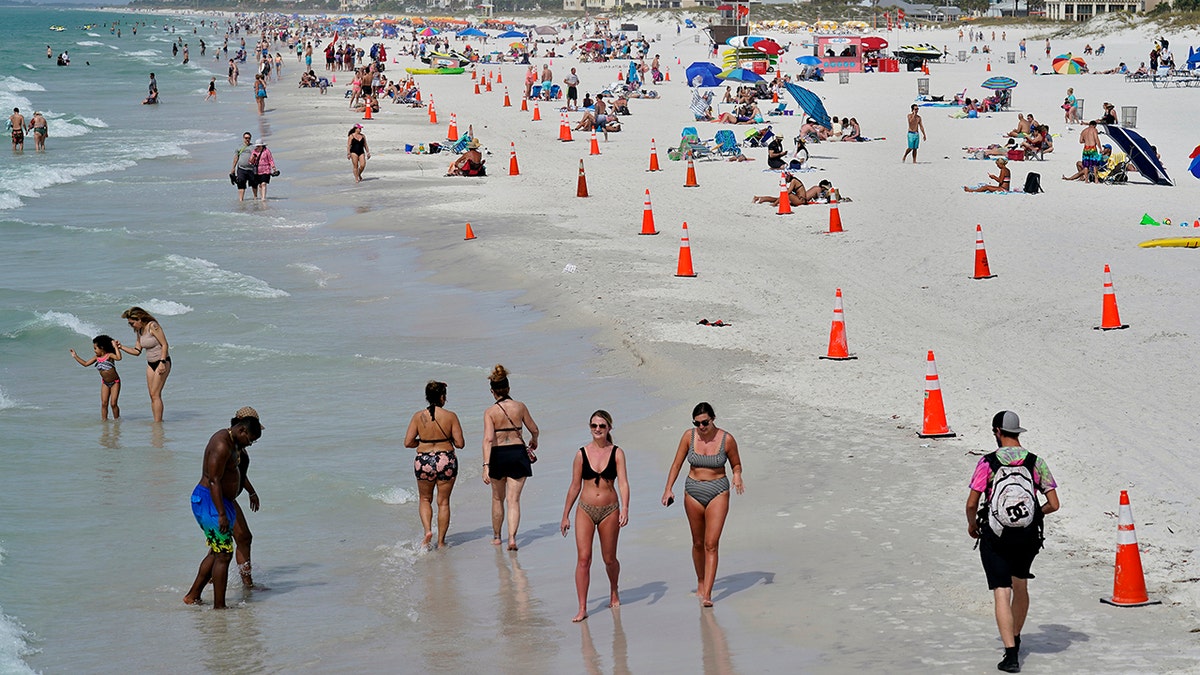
x: 330, y: 332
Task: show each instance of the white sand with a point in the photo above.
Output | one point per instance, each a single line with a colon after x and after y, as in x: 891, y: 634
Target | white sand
x: 848, y: 552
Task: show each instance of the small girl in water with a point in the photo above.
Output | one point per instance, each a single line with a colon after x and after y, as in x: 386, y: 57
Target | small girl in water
x: 110, y: 382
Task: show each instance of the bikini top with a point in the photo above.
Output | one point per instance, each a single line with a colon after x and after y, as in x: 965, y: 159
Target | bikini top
x: 439, y: 426
x: 514, y: 426
x: 609, y: 473
x: 103, y: 363
x: 716, y: 461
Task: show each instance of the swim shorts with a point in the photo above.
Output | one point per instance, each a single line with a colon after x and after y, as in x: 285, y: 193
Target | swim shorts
x: 914, y: 140
x: 509, y: 461
x: 436, y: 466
x: 18, y: 135
x: 208, y: 517
x: 1092, y: 159
x: 1003, y: 560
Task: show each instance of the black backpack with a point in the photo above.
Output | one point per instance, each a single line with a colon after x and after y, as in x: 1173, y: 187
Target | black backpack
x: 1033, y: 183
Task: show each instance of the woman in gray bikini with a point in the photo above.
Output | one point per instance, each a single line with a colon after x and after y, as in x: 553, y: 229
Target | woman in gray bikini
x: 507, y: 461
x: 598, y: 504
x: 152, y: 340
x: 707, y: 449
x: 437, y: 432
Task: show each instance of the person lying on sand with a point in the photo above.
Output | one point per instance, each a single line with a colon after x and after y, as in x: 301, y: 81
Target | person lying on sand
x: 1002, y: 181
x: 798, y: 195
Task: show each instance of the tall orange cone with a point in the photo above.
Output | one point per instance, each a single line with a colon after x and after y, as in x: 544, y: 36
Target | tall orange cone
x: 785, y: 203
x: 982, y: 270
x: 685, y: 255
x: 367, y: 112
x: 525, y: 105
x: 647, y: 217
x: 835, y: 216
x: 513, y: 169
x: 564, y: 129
x: 595, y: 150
x: 432, y: 112
x: 499, y: 77
x: 537, y: 112
x: 581, y: 187
x: 1129, y: 582
x: 477, y: 87
x: 989, y: 68
x: 507, y: 102
x: 474, y: 74
x: 488, y: 85
x: 1110, y: 319
x: 934, y: 422
x: 774, y: 96
x: 839, y: 350
x: 667, y: 74
x: 470, y: 233
x: 653, y: 157
x: 452, y: 132
x: 691, y: 174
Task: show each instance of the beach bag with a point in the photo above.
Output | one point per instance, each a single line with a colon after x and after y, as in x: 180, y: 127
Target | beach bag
x: 1016, y: 155
x: 1033, y: 183
x: 1012, y: 504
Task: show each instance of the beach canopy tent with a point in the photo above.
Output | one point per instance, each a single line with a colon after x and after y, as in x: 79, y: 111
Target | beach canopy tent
x: 471, y: 32
x: 1140, y: 152
x: 546, y: 30
x: 810, y: 103
x: 705, y: 71
x: 511, y: 34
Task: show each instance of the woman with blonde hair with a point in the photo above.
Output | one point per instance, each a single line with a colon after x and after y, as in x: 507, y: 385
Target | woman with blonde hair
x: 598, y: 503
x: 437, y: 432
x: 151, y: 339
x: 507, y: 460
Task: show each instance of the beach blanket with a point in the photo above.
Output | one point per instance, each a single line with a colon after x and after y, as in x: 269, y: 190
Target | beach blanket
x: 950, y: 104
x: 979, y: 185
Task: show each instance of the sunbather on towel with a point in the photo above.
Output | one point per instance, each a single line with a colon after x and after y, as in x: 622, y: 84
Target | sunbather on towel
x: 798, y: 195
x: 1003, y: 181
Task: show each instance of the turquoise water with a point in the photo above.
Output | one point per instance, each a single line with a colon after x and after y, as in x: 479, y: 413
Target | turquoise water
x: 330, y: 332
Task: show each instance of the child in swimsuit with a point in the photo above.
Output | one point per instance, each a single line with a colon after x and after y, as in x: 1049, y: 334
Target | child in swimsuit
x: 110, y: 382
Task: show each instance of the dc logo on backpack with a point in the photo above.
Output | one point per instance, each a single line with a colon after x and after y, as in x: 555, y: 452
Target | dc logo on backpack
x: 1012, y: 501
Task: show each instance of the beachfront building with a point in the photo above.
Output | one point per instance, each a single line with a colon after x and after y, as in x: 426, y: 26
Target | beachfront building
x: 581, y: 5
x: 926, y: 12
x: 1083, y: 10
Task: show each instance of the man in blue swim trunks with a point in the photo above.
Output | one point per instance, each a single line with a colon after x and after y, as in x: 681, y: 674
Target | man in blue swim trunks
x: 212, y: 501
x: 916, y: 132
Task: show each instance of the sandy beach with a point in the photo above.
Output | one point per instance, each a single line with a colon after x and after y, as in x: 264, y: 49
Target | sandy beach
x: 848, y: 552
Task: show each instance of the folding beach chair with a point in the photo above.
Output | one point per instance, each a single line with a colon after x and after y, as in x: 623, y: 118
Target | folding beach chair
x: 535, y: 91
x: 727, y: 143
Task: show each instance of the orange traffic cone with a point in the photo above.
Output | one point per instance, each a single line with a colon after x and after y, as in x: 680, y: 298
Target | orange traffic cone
x: 474, y: 74
x: 691, y: 174
x: 470, y: 233
x: 648, y: 217
x: 489, y: 74
x: 417, y: 94
x: 620, y: 76
x: 525, y: 105
x: 1129, y: 582
x: 488, y: 85
x: 774, y: 96
x: 934, y: 423
x: 452, y: 132
x: 581, y: 188
x: 835, y: 216
x: 367, y: 112
x: 989, y: 68
x: 513, y: 169
x: 595, y: 150
x: 333, y: 79
x: 785, y: 204
x: 477, y: 88
x: 685, y: 256
x: 667, y: 74
x: 499, y: 77
x: 653, y: 157
x: 1110, y: 319
x: 507, y: 102
x: 838, y: 349
x: 982, y: 271
x: 564, y: 129
x: 537, y: 112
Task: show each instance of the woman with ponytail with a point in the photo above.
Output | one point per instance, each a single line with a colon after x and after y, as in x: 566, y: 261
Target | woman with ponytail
x: 507, y: 460
x: 437, y: 432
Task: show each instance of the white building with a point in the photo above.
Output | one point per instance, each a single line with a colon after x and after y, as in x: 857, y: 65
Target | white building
x: 1083, y: 10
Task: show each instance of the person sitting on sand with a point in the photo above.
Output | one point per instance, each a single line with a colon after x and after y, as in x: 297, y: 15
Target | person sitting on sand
x: 747, y: 113
x: 853, y: 132
x: 1111, y: 161
x: 775, y: 153
x: 813, y: 132
x: 1003, y: 180
x: 1033, y: 143
x: 597, y: 118
x: 798, y: 195
x: 1023, y: 126
x: 470, y: 163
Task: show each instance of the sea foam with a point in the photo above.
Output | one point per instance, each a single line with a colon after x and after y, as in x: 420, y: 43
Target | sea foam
x: 206, y: 277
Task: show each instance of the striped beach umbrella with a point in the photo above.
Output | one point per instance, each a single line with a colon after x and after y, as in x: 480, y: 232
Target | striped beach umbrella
x: 1066, y: 64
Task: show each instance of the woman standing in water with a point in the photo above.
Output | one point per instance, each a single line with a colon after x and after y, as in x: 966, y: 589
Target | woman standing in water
x: 507, y: 461
x: 357, y: 151
x: 437, y: 432
x: 707, y: 449
x: 151, y: 339
x: 599, y: 508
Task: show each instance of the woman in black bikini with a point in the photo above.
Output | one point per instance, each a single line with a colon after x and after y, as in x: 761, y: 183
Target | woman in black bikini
x: 707, y: 449
x: 598, y: 504
x: 507, y: 460
x: 437, y: 432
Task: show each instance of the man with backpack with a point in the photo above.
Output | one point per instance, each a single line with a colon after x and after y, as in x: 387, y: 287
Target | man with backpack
x: 1008, y: 525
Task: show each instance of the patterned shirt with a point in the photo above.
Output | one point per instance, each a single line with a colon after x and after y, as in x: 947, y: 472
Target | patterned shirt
x: 1012, y: 456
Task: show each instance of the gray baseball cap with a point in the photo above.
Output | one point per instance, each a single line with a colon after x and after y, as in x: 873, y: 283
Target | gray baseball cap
x: 1007, y: 421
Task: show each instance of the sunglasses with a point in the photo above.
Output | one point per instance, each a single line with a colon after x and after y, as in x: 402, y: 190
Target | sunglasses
x: 701, y: 423
x: 599, y: 426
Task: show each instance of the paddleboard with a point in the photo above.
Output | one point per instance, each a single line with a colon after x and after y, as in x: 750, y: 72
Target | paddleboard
x: 1172, y: 242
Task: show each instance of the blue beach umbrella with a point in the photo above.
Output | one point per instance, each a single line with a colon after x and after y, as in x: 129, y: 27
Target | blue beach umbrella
x: 808, y: 60
x: 471, y: 32
x: 511, y: 34
x: 810, y: 103
x: 1195, y: 165
x: 999, y: 83
x: 704, y: 70
x: 740, y: 75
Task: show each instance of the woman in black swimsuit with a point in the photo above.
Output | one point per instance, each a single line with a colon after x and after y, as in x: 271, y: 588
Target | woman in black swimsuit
x: 437, y: 432
x: 598, y: 504
x: 507, y: 461
x: 357, y: 151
